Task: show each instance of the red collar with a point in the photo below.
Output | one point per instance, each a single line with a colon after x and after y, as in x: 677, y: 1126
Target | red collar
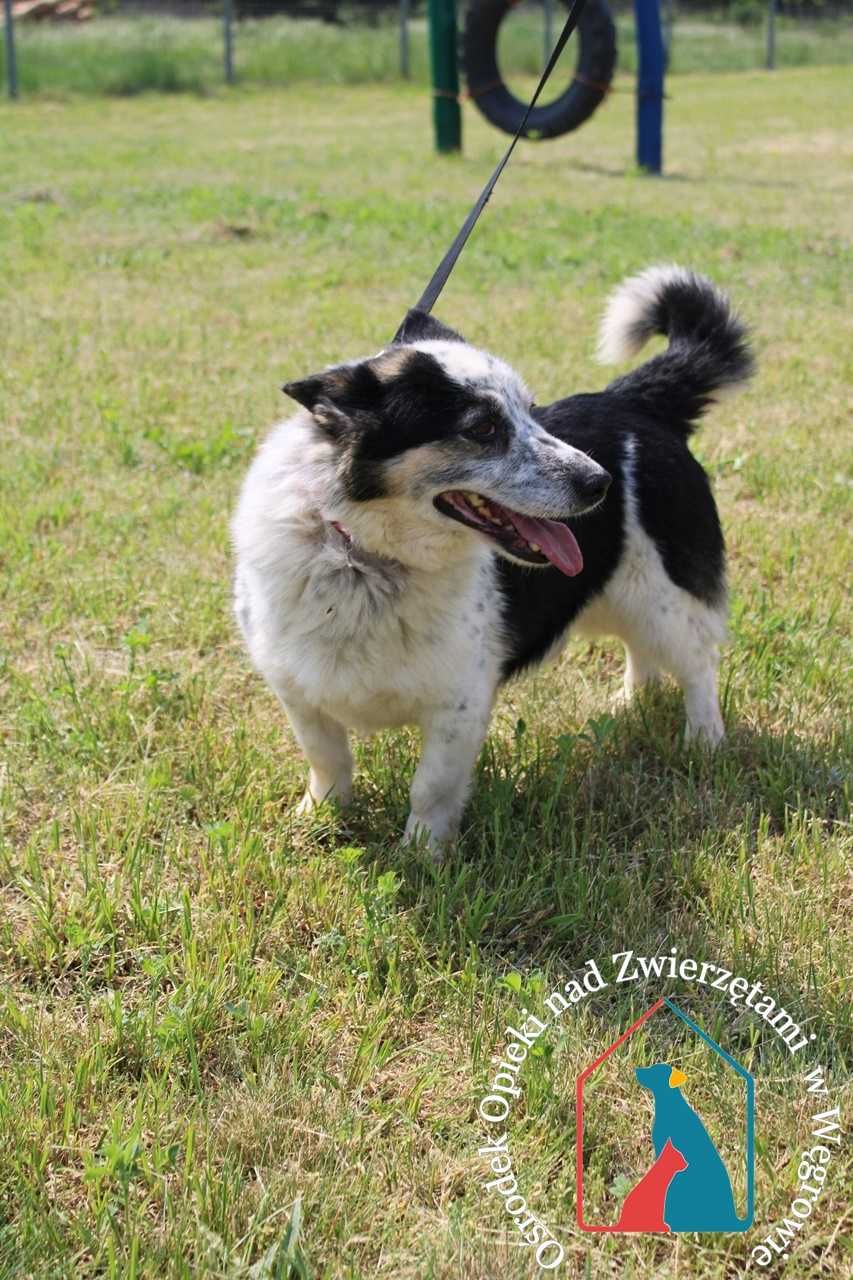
x: 345, y: 533
x: 349, y: 544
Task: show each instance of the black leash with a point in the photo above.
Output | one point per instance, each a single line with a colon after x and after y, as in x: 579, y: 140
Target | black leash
x: 431, y: 293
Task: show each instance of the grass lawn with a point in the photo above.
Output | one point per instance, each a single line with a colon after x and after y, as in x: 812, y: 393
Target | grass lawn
x: 126, y: 55
x: 233, y: 1044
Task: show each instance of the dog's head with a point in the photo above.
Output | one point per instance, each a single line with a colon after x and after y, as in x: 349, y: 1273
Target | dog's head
x: 660, y: 1077
x: 435, y: 445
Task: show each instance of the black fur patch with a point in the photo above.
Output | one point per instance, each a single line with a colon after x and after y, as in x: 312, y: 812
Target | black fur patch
x: 542, y: 603
x: 417, y: 406
x: 380, y: 408
x: 708, y: 349
x: 420, y: 326
x: 675, y: 506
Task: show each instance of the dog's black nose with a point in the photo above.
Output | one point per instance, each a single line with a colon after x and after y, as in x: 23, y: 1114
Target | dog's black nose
x: 593, y: 486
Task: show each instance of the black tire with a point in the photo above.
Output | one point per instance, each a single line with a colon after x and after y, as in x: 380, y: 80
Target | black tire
x: 594, y: 70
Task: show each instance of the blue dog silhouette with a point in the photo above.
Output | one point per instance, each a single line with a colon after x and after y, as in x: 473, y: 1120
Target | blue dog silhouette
x: 699, y: 1198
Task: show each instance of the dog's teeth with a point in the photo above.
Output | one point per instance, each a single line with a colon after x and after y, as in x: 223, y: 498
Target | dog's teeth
x: 476, y: 500
x: 534, y: 546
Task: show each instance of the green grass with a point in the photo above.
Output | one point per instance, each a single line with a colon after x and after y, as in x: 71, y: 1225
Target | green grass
x: 121, y: 55
x: 233, y: 1045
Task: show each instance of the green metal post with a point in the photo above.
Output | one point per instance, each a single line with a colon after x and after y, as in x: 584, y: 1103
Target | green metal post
x: 447, y: 115
x: 405, y: 8
x: 11, y: 63
x: 228, y: 39
x: 771, y: 35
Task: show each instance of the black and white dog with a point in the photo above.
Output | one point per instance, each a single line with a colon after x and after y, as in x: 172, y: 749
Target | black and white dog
x: 420, y: 531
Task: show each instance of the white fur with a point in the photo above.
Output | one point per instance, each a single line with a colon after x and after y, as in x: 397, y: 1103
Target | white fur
x: 662, y: 627
x: 468, y: 364
x: 624, y: 325
x: 350, y: 639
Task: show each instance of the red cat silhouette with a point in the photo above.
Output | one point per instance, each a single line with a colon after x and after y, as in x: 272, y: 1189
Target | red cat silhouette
x: 642, y: 1209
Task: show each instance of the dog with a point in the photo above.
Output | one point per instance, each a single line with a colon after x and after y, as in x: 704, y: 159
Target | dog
x: 420, y: 531
x: 699, y: 1198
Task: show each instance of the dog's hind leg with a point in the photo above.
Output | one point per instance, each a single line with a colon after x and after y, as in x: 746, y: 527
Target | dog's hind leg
x: 640, y: 669
x: 642, y: 665
x: 326, y: 747
x: 688, y: 647
x: 704, y: 719
x: 665, y: 628
x: 689, y: 652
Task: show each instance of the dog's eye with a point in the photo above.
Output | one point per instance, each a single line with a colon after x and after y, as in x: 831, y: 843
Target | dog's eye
x: 482, y: 432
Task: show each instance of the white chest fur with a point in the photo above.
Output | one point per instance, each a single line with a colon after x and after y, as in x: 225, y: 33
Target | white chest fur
x: 370, y: 642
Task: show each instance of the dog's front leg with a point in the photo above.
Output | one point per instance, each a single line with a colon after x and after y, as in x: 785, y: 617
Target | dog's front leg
x: 452, y: 742
x: 325, y: 744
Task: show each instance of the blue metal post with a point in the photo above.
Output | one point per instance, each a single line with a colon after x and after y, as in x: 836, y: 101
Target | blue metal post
x: 405, y: 70
x: 11, y: 63
x: 650, y: 68
x: 668, y: 24
x: 228, y: 39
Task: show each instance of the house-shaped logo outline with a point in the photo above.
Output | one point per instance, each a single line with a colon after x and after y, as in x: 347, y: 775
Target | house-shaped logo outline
x: 665, y: 1001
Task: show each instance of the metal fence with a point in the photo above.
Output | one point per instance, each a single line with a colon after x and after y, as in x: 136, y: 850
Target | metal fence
x: 347, y: 14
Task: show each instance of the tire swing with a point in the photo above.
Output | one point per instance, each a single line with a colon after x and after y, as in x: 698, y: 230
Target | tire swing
x: 593, y: 73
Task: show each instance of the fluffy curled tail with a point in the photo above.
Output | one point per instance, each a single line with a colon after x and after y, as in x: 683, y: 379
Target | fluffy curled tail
x: 708, y: 350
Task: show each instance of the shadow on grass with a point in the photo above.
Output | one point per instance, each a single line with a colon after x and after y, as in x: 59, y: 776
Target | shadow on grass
x: 613, y: 835
x: 721, y: 179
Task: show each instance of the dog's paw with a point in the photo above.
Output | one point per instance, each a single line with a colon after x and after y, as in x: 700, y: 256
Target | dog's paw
x: 706, y: 736
x: 620, y: 700
x: 310, y: 806
x: 306, y: 805
x: 420, y: 835
x: 318, y: 793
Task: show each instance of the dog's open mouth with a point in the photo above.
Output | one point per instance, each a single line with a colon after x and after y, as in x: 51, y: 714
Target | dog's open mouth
x: 535, y: 540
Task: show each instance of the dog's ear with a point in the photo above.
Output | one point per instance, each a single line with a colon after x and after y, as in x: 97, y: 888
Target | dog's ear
x: 306, y: 391
x: 339, y: 397
x: 420, y: 326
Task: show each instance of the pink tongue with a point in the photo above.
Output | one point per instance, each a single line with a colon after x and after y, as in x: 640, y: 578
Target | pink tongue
x: 556, y: 541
